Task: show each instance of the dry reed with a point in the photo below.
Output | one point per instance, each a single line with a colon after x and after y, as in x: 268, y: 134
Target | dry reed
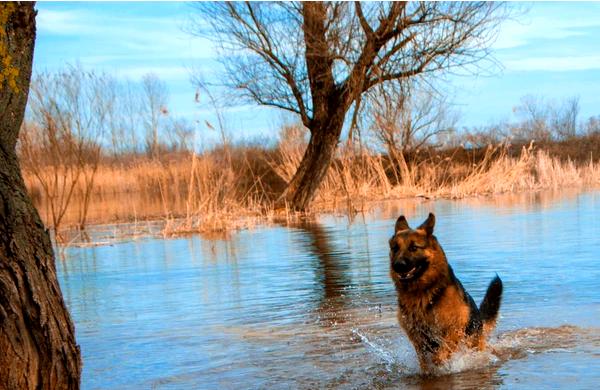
x: 218, y: 191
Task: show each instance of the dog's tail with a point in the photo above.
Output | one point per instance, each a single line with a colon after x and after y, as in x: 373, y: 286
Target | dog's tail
x: 491, y: 305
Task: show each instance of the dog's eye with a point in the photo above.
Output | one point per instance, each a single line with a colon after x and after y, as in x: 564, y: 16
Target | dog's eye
x: 412, y: 247
x: 393, y: 245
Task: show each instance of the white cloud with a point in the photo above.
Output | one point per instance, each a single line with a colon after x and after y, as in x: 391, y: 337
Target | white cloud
x: 561, y: 33
x: 515, y: 34
x: 557, y: 64
x: 549, y: 21
x: 60, y: 22
x: 144, y: 37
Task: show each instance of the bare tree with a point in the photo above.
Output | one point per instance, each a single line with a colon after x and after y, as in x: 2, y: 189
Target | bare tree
x: 534, y: 123
x: 126, y: 118
x: 545, y: 120
x: 180, y: 135
x: 92, y: 100
x: 592, y: 125
x: 114, y: 130
x: 316, y: 59
x: 37, y: 337
x: 155, y: 107
x: 404, y: 119
x: 49, y: 152
x: 61, y: 143
x: 564, y: 118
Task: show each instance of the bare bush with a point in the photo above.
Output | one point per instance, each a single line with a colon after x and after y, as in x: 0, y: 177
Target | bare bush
x: 483, y: 136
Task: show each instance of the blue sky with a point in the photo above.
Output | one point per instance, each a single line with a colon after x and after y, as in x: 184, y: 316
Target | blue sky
x: 551, y: 51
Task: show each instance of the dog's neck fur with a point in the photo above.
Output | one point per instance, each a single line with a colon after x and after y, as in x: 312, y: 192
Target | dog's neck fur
x: 425, y: 299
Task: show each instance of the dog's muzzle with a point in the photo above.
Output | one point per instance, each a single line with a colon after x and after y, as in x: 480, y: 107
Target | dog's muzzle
x: 407, y: 269
x: 401, y: 266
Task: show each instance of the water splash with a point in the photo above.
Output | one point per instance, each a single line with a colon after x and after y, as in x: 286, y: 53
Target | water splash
x: 381, y: 352
x: 511, y: 345
x: 467, y: 360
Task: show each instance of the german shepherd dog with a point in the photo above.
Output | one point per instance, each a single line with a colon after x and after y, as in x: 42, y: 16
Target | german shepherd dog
x: 434, y: 309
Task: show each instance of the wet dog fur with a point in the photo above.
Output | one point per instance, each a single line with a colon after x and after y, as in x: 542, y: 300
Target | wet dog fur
x: 434, y: 309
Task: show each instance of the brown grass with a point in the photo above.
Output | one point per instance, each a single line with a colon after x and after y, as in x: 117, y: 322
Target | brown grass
x: 238, y: 186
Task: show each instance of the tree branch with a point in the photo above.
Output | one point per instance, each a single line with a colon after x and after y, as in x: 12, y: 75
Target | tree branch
x: 361, y: 18
x: 318, y: 61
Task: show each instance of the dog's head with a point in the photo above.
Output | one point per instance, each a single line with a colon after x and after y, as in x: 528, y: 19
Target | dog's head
x: 415, y: 255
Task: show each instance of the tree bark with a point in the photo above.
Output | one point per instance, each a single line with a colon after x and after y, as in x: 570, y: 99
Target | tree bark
x: 37, y: 337
x: 316, y: 161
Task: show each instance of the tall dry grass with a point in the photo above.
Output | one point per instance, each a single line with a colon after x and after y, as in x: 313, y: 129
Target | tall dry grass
x: 233, y: 187
x: 356, y: 177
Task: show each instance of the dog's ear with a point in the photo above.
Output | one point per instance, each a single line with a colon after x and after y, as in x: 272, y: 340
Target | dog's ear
x: 428, y: 224
x: 401, y: 224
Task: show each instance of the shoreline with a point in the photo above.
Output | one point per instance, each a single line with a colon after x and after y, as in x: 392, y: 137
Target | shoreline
x: 111, y: 233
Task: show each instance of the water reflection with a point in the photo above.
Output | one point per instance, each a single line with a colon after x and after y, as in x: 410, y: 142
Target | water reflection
x: 331, y: 270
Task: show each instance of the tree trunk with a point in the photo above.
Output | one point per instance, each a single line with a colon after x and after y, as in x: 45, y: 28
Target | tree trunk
x: 316, y: 161
x: 37, y: 341
x: 329, y: 110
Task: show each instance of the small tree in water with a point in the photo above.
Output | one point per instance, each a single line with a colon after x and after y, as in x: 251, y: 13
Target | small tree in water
x: 316, y: 59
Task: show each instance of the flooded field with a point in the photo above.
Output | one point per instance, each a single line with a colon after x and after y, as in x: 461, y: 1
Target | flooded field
x: 311, y: 305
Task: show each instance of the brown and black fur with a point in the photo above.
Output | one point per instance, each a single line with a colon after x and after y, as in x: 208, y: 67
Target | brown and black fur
x: 434, y: 309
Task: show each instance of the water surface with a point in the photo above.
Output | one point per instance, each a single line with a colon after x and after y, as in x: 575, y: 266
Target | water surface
x: 311, y: 305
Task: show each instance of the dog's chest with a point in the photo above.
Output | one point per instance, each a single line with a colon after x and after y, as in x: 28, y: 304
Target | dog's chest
x: 414, y: 316
x: 433, y: 316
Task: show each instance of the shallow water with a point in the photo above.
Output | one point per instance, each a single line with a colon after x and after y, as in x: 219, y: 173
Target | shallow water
x: 311, y: 305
